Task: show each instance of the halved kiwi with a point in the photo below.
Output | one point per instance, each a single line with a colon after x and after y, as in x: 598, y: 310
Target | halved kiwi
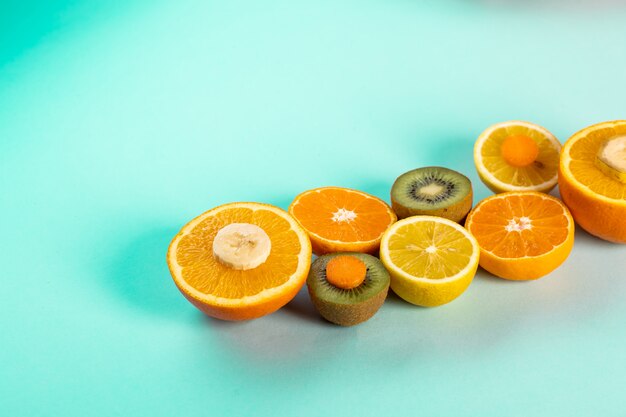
x: 347, y: 288
x: 434, y: 191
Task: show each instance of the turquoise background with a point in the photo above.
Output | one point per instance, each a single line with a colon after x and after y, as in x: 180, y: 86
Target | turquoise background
x: 120, y: 121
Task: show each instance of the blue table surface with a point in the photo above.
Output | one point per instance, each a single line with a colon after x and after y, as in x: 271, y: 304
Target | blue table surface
x: 122, y: 120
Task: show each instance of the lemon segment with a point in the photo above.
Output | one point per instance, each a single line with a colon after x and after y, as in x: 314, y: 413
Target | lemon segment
x: 504, y: 172
x: 431, y: 260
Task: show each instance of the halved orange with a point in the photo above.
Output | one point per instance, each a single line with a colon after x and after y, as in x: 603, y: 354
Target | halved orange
x: 255, y: 289
x: 522, y: 234
x: 517, y: 156
x: 342, y: 220
x: 592, y: 179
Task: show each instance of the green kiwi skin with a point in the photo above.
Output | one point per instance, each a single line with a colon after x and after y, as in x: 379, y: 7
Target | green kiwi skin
x: 349, y: 314
x: 456, y: 212
x: 350, y: 310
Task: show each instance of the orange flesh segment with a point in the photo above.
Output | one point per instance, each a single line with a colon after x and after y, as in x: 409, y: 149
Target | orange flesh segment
x: 346, y: 272
x: 519, y: 226
x: 583, y: 166
x: 203, y: 272
x: 342, y: 215
x: 519, y: 150
x: 430, y: 249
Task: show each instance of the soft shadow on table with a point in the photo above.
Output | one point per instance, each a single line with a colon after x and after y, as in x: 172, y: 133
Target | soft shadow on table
x: 394, y: 300
x: 453, y: 151
x: 302, y: 308
x: 138, y: 274
x: 554, y: 5
x: 380, y: 187
x: 457, y: 153
x: 574, y: 289
x: 559, y: 6
x: 293, y: 338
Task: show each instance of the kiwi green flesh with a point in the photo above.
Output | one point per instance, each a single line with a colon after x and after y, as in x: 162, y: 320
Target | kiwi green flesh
x: 353, y: 306
x: 434, y: 191
x: 376, y: 280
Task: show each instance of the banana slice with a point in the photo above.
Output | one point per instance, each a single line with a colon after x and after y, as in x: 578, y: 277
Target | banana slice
x: 611, y: 158
x: 241, y: 246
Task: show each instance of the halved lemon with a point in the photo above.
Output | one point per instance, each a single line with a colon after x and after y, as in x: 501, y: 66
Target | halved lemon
x: 431, y: 260
x: 517, y: 156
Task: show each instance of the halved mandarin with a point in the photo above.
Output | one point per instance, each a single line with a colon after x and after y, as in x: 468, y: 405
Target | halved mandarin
x: 522, y: 235
x: 517, y: 156
x: 342, y: 220
x: 592, y: 179
x: 240, y: 261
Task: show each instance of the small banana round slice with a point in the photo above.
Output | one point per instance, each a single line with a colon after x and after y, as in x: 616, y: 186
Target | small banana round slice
x: 611, y: 158
x: 241, y: 246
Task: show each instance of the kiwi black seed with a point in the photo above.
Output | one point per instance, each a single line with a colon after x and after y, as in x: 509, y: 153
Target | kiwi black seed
x: 433, y: 191
x: 347, y: 307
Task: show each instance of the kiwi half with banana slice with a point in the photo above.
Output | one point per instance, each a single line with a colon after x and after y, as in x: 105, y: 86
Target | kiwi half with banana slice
x: 348, y: 288
x: 433, y: 191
